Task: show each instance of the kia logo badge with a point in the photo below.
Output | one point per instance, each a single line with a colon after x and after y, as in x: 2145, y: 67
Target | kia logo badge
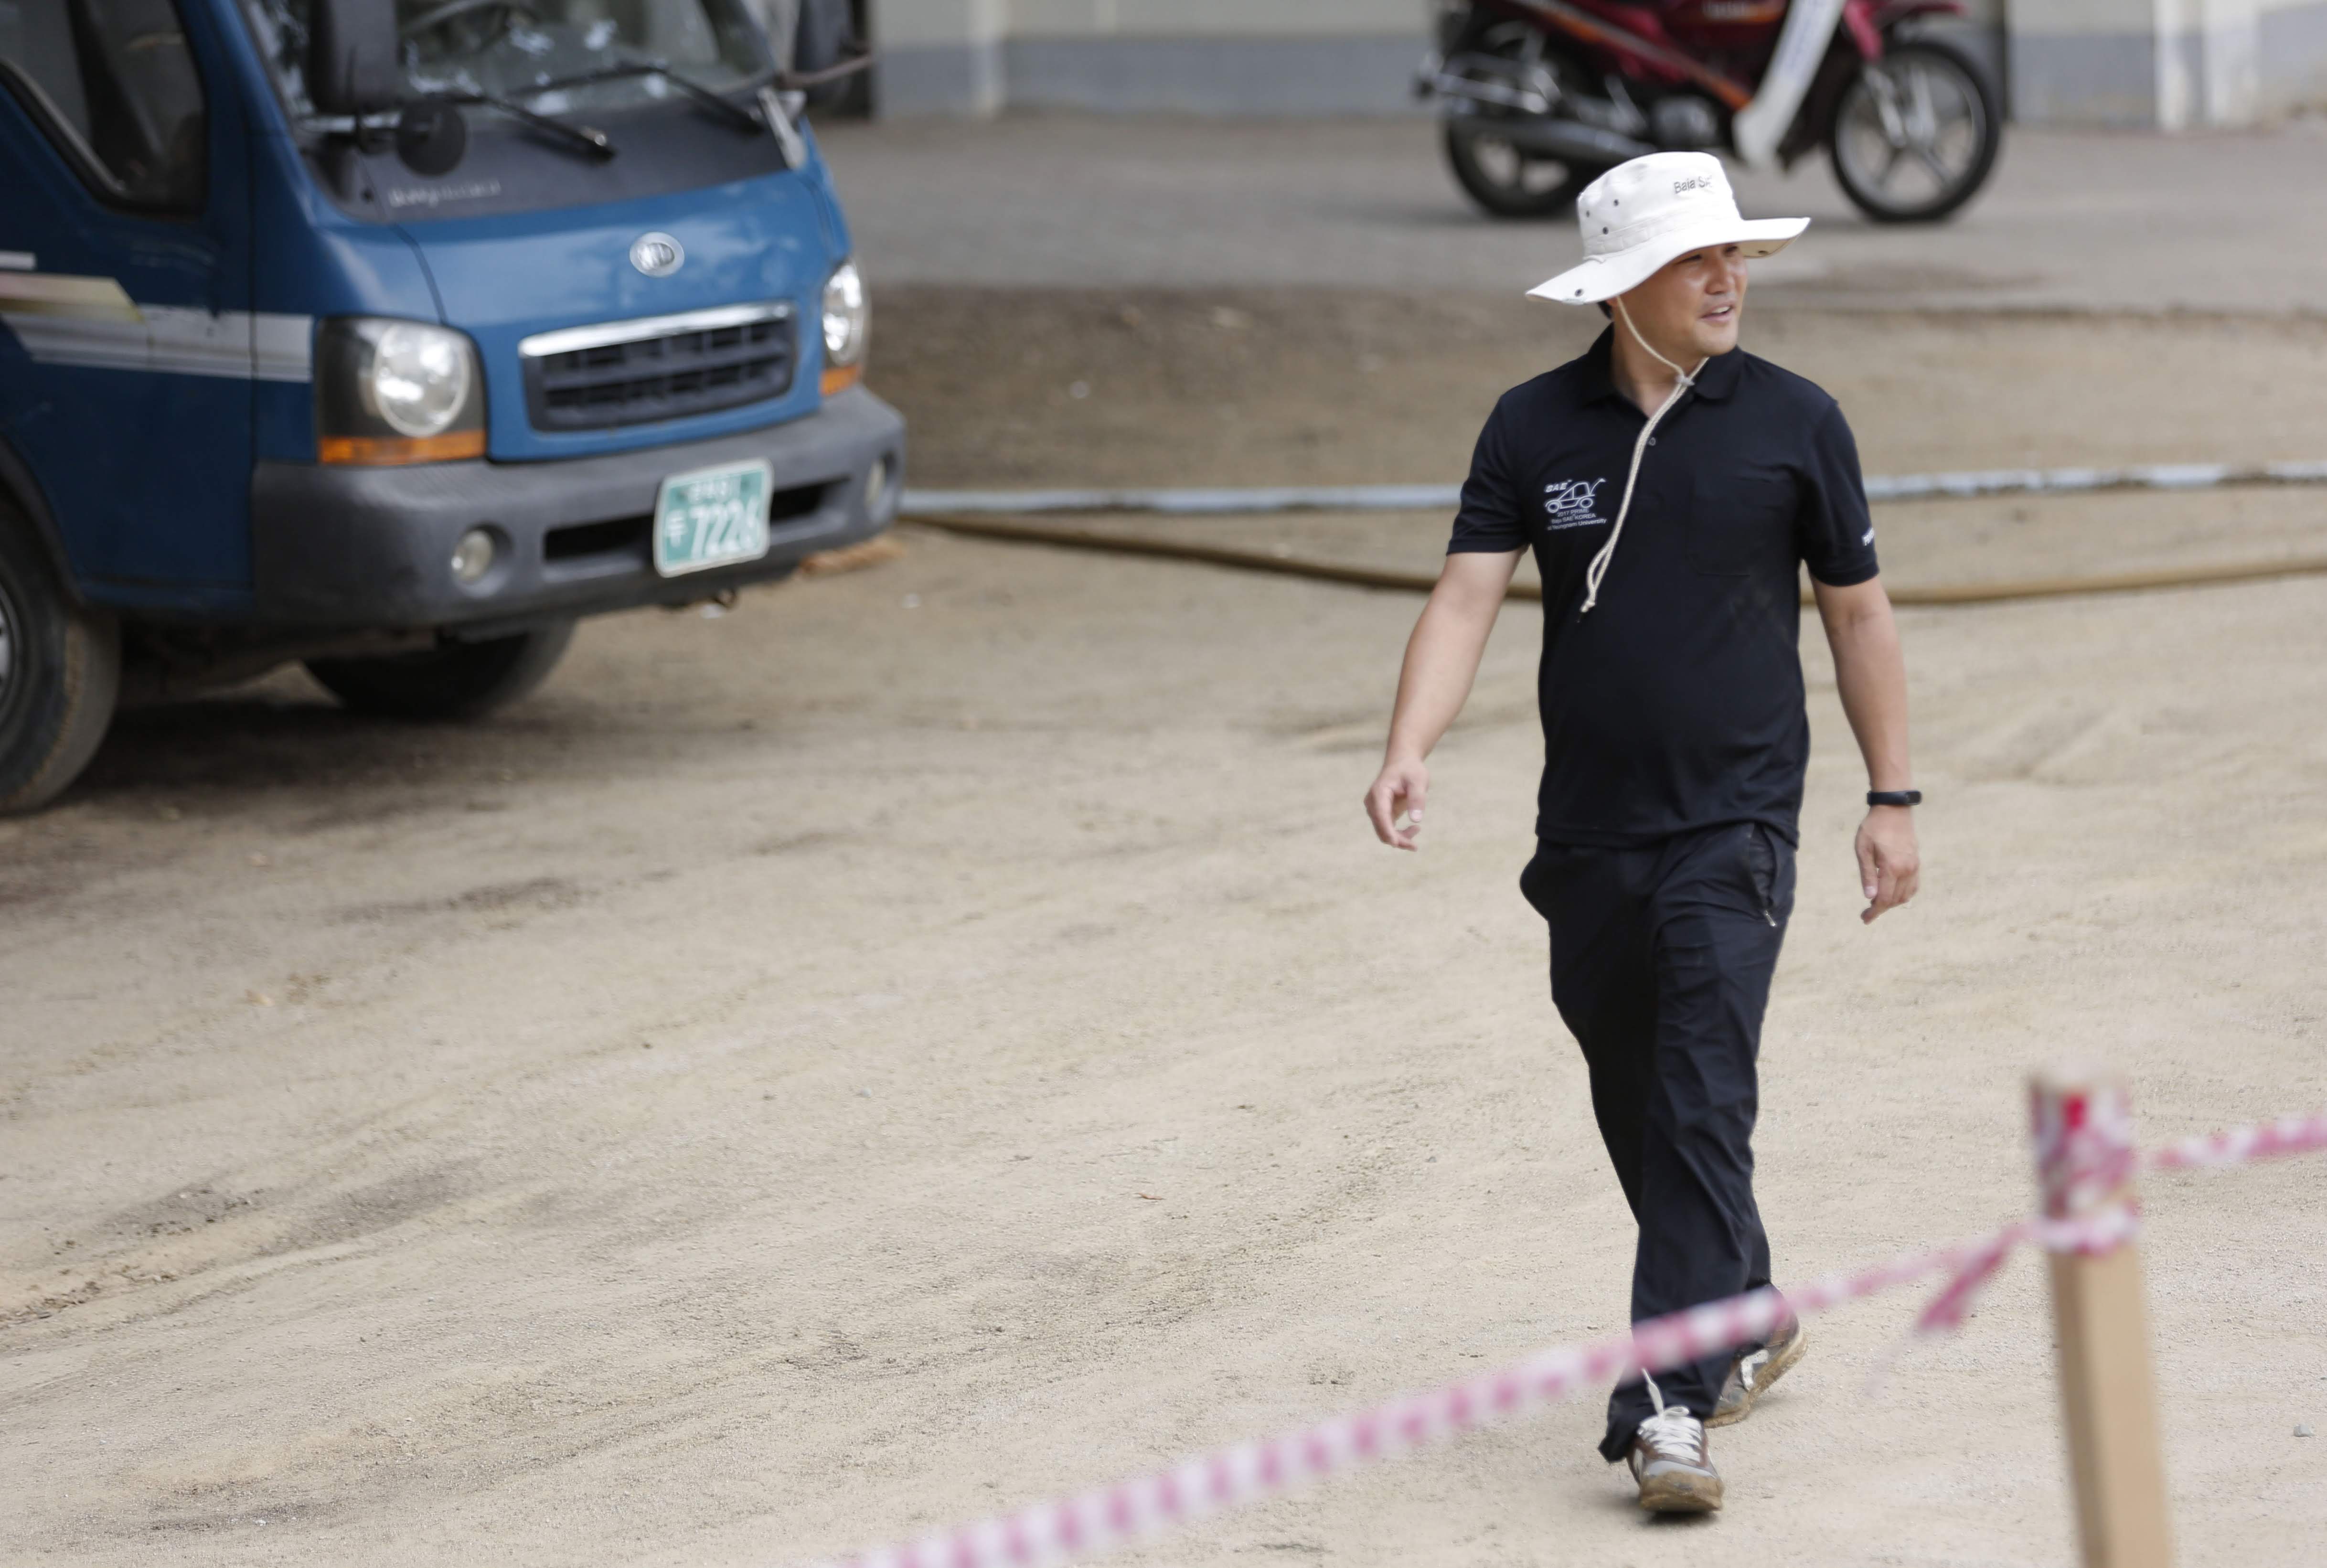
x: 656, y: 255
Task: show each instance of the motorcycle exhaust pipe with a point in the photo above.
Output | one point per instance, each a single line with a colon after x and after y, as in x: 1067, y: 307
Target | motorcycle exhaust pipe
x: 1569, y: 141
x: 1469, y: 90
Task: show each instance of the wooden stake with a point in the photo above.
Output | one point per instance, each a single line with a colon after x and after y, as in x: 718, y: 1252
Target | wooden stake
x: 2084, y: 1163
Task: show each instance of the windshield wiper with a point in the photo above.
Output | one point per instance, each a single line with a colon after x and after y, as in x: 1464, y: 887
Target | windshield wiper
x: 847, y: 65
x: 732, y: 111
x: 588, y: 137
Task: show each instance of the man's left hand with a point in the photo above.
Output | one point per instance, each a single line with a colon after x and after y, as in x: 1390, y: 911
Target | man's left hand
x: 1888, y: 863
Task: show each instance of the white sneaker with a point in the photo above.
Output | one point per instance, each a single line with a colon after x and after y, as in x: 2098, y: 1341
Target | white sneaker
x: 1668, y: 1461
x: 1750, y: 1376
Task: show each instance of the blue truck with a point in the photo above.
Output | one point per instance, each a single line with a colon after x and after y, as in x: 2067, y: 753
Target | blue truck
x: 393, y: 336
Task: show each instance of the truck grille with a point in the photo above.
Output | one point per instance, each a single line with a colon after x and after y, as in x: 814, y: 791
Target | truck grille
x: 658, y: 368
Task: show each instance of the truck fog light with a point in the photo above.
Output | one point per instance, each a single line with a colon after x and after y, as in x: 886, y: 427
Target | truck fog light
x: 472, y: 557
x: 876, y: 487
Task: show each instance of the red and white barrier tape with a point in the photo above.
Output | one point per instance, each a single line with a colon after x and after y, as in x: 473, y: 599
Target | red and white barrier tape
x: 2241, y: 1146
x: 1132, y: 1510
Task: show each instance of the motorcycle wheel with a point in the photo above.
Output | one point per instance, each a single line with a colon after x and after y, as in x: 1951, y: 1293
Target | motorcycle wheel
x: 1506, y: 182
x: 1916, y: 133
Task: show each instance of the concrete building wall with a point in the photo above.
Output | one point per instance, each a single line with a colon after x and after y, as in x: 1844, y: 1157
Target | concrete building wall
x: 939, y: 56
x: 1261, y: 57
x: 2165, y: 63
x: 2292, y: 43
x: 2169, y: 63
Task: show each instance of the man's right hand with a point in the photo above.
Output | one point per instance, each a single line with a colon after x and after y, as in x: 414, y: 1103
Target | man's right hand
x: 1402, y: 786
x: 1442, y: 658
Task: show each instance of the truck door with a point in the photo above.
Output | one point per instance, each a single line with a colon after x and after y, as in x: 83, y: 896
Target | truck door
x: 126, y: 339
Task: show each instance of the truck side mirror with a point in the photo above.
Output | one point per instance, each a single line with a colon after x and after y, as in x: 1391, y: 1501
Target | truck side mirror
x: 352, y: 57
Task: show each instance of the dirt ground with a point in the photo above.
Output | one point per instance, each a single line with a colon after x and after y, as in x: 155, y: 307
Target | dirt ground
x: 941, y: 1035
x: 1233, y: 386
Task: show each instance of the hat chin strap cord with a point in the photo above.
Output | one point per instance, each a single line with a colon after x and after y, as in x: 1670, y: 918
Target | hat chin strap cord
x: 1594, y: 573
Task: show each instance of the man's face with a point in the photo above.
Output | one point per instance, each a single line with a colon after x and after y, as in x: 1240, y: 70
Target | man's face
x: 1695, y: 300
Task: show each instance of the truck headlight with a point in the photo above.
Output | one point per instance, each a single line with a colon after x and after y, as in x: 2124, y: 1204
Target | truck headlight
x: 397, y: 392
x: 419, y: 378
x: 848, y: 325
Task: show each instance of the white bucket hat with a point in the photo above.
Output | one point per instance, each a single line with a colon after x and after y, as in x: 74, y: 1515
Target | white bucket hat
x: 1639, y: 216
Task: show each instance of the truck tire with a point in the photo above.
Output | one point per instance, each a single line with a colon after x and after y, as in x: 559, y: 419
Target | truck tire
x: 59, y: 672
x: 452, y: 680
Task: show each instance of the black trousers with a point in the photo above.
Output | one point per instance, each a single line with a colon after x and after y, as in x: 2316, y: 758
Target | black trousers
x: 1660, y: 965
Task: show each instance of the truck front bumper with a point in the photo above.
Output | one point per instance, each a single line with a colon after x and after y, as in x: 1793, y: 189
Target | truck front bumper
x: 363, y: 549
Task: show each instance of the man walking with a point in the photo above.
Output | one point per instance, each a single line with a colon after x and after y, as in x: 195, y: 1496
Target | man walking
x: 1670, y: 486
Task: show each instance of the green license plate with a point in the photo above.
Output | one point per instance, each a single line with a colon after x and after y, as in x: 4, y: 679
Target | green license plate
x: 711, y: 517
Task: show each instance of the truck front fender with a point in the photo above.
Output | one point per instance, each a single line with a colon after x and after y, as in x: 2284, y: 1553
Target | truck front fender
x: 23, y: 493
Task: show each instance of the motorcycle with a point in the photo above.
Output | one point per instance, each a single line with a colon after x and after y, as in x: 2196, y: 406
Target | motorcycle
x: 1538, y: 97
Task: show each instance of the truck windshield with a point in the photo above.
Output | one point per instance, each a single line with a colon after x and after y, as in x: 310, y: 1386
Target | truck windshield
x: 515, y: 49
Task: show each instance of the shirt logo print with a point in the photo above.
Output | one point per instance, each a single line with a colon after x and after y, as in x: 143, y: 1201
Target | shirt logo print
x: 1573, y: 503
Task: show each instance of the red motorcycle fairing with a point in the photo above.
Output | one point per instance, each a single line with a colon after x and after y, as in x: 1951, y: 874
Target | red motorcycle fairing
x: 1661, y: 44
x: 1858, y: 20
x: 1642, y: 21
x: 1637, y: 37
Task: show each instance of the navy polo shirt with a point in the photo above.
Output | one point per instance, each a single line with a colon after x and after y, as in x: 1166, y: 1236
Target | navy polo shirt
x: 1677, y: 703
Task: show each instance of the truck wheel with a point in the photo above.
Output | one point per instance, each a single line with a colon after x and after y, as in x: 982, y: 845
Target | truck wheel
x: 60, y: 671
x: 453, y: 680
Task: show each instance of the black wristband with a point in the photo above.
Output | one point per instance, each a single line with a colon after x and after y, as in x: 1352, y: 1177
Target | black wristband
x: 1894, y: 797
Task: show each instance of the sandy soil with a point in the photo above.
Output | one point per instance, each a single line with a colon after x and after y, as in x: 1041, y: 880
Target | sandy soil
x: 1363, y: 387
x: 944, y: 1034
x: 1932, y: 544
